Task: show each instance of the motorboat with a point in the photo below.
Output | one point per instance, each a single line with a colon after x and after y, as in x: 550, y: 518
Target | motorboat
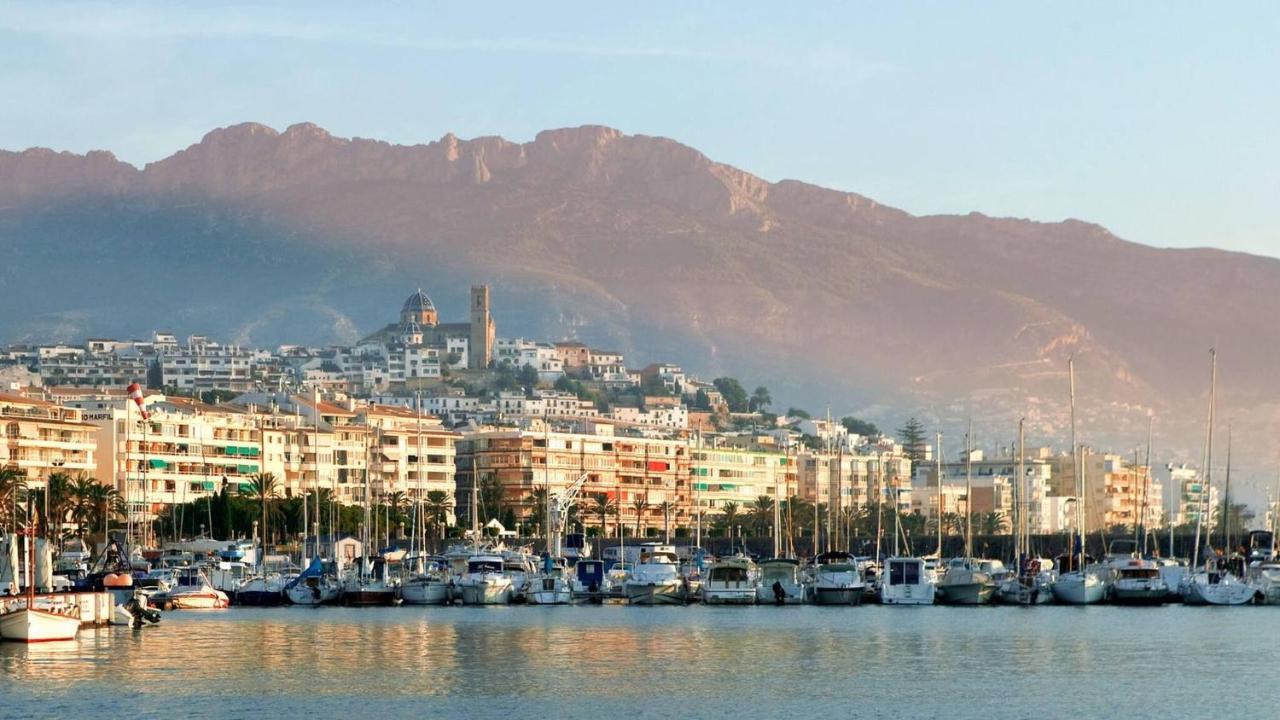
x: 519, y: 566
x: 968, y: 581
x: 837, y: 580
x: 30, y: 624
x: 484, y: 582
x: 193, y: 591
x: 731, y: 581
x: 655, y: 579
x: 368, y: 584
x: 429, y: 583
x: 906, y: 581
x: 229, y: 575
x: 549, y: 587
x: 1137, y: 581
x: 781, y: 582
x: 590, y: 580
x: 616, y: 579
x: 1264, y: 576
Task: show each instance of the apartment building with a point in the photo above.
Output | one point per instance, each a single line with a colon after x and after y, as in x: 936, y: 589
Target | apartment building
x: 40, y: 437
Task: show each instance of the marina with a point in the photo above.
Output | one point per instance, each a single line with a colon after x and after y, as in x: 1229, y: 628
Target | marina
x: 593, y: 661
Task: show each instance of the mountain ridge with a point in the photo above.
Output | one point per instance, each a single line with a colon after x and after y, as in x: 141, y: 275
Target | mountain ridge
x: 649, y: 244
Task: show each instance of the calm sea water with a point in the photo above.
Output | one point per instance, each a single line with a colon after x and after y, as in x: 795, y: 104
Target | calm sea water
x: 622, y: 662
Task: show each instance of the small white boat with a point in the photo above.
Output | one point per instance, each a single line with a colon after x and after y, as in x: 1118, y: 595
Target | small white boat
x: 906, y: 581
x: 968, y: 581
x: 837, y: 580
x: 1080, y: 588
x: 1264, y: 576
x: 428, y: 585
x: 549, y: 589
x: 731, y: 581
x: 781, y: 583
x: 1214, y: 586
x: 1138, y: 582
x: 193, y: 591
x: 30, y: 624
x: 656, y: 580
x: 484, y: 582
x: 313, y: 586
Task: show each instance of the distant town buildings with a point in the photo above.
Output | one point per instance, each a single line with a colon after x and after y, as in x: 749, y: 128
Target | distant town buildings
x: 425, y: 408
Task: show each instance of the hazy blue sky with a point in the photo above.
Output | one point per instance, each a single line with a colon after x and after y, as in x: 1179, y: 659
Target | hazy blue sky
x: 1158, y: 120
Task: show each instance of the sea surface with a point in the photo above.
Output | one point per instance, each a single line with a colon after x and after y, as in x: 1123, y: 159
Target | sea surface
x: 615, y: 661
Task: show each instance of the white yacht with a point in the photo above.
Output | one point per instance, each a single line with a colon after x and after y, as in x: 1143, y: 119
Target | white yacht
x: 837, y: 580
x: 427, y: 585
x: 1264, y: 576
x: 1076, y: 587
x: 968, y: 581
x: 519, y: 566
x: 192, y: 591
x: 1137, y: 582
x: 484, y: 582
x: 731, y: 581
x: 549, y: 587
x: 1215, y: 586
x: 781, y: 583
x: 655, y: 579
x: 906, y: 581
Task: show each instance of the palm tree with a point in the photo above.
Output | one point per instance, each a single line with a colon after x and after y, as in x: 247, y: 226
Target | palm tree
x: 264, y: 487
x: 604, y: 506
x: 760, y: 399
x: 761, y: 514
x: 82, y: 494
x: 639, y: 505
x: 992, y: 523
x: 729, y: 517
x: 13, y: 485
x: 104, y: 503
x: 536, y: 501
x: 437, y: 506
x: 668, y: 509
x: 953, y: 523
x: 60, y: 502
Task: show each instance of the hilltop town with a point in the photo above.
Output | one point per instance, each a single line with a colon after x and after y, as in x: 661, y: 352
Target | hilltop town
x: 483, y: 425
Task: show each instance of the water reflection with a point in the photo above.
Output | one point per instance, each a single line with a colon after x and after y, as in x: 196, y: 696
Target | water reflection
x: 616, y: 660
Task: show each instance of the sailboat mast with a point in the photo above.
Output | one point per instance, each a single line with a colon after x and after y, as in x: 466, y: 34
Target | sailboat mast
x: 1076, y: 459
x: 937, y: 459
x: 1146, y: 484
x: 968, y: 491
x: 1208, y: 458
x: 1025, y: 506
x: 418, y: 520
x: 1226, y: 503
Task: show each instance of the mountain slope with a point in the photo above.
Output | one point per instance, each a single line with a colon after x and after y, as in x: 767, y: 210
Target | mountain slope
x: 641, y: 242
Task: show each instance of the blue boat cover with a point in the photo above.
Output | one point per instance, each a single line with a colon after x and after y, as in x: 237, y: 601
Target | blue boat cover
x: 315, y: 569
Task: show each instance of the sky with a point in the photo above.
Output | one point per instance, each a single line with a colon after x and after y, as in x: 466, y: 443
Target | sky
x: 1157, y: 120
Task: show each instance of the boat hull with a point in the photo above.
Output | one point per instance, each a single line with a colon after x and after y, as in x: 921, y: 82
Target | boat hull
x: 203, y: 600
x: 486, y: 594
x: 838, y: 595
x: 259, y: 598
x: 549, y: 597
x: 1072, y: 591
x: 1225, y: 594
x: 309, y: 596
x: 369, y: 597
x: 908, y: 595
x: 436, y: 593
x: 728, y: 596
x: 655, y: 594
x: 35, y: 625
x: 1144, y: 593
x: 966, y: 594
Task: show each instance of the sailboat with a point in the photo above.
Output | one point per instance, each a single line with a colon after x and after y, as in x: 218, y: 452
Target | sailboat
x: 29, y: 624
x: 968, y: 580
x: 313, y: 586
x: 1079, y: 582
x: 1215, y: 584
x: 369, y: 583
x: 1032, y: 584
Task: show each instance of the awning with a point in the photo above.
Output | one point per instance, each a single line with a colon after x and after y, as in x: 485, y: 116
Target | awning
x: 207, y: 485
x: 247, y: 468
x: 245, y: 488
x: 158, y: 464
